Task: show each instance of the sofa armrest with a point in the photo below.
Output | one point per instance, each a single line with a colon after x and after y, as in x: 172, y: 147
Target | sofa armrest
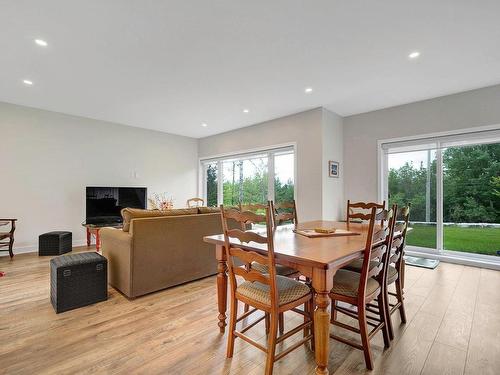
x: 117, y: 247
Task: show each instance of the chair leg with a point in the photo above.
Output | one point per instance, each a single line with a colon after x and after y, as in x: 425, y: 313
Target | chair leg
x: 271, y: 346
x: 334, y: 311
x: 363, y: 328
x: 267, y: 323
x: 281, y: 321
x: 311, y: 316
x: 246, y: 308
x: 11, y: 245
x: 385, y: 317
x: 232, y: 327
x: 399, y: 296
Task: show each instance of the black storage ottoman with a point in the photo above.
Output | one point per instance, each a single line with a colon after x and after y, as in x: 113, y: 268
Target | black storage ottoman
x: 78, y: 280
x: 55, y: 243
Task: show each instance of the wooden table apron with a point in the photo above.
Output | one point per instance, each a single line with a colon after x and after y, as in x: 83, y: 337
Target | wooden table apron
x: 316, y: 258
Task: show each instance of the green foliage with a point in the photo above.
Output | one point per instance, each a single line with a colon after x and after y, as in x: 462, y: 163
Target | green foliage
x: 212, y: 185
x: 471, y: 185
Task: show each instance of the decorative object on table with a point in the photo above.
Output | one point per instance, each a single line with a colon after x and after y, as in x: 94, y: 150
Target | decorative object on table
x: 55, y: 243
x: 7, y: 237
x: 332, y: 232
x: 333, y: 169
x: 78, y: 280
x: 195, y: 202
x: 161, y: 202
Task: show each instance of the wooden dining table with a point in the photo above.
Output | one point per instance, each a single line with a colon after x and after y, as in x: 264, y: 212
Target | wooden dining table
x: 316, y: 258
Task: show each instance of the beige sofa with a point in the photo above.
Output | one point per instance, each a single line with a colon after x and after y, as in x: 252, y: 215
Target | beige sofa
x: 156, y: 250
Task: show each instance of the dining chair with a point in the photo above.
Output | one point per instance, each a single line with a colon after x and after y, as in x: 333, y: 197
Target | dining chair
x: 283, y: 212
x: 195, y: 202
x: 361, y: 210
x: 7, y: 238
x: 396, y: 269
x: 268, y: 292
x: 362, y: 289
x: 259, y: 208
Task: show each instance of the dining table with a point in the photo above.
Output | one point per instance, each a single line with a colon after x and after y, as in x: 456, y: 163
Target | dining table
x: 317, y: 258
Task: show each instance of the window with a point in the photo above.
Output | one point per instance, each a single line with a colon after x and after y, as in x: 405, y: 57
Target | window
x: 453, y: 185
x: 250, y: 177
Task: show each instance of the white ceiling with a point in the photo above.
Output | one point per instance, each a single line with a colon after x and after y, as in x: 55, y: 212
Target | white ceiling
x: 172, y: 65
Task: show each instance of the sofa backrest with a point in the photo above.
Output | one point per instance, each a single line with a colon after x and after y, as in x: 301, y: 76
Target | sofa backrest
x: 136, y: 213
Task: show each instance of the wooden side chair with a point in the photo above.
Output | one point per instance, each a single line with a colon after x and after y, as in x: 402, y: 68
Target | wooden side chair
x: 268, y: 292
x: 396, y: 269
x: 284, y: 211
x: 257, y: 208
x: 361, y: 210
x: 362, y: 289
x: 7, y: 237
x: 195, y: 202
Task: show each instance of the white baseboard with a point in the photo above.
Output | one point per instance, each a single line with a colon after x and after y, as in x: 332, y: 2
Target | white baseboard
x: 457, y: 258
x: 34, y: 248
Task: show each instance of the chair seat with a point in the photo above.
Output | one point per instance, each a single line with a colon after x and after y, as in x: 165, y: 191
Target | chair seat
x: 280, y: 270
x: 346, y: 283
x: 289, y: 290
x: 392, y: 273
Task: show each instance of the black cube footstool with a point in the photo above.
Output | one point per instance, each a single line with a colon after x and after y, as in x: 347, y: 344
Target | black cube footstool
x: 54, y: 243
x: 78, y: 280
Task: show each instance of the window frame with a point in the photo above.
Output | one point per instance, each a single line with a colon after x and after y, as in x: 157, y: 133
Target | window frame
x: 271, y: 151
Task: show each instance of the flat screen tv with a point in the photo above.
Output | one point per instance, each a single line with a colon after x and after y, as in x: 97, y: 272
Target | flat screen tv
x: 103, y: 204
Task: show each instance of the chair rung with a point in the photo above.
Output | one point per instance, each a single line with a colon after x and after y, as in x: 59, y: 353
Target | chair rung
x: 375, y: 330
x: 252, y: 324
x: 351, y: 313
x: 345, y: 326
x: 293, y: 331
x: 370, y: 309
x: 293, y: 347
x: 301, y: 312
x: 249, y: 312
x: 250, y: 341
x: 347, y: 342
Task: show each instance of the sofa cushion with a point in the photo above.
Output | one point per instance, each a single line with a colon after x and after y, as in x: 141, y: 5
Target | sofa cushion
x: 208, y: 210
x: 135, y: 213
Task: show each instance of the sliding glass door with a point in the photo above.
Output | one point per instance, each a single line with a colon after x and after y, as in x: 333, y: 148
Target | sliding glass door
x: 453, y: 186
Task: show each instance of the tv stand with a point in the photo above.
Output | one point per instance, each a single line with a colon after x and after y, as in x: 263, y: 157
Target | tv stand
x: 93, y: 230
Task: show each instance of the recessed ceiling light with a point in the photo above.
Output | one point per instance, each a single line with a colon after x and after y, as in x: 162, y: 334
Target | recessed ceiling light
x: 414, y: 55
x: 27, y: 82
x: 246, y: 110
x: 41, y: 42
x: 204, y: 125
x: 308, y: 90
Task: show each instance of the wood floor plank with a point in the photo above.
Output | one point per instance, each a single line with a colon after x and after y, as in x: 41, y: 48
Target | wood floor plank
x: 444, y: 360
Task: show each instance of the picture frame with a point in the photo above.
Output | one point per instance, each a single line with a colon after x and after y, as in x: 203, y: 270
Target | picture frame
x: 333, y: 169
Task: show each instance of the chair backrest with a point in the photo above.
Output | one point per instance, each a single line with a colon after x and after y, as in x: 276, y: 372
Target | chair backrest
x: 195, y: 202
x: 284, y: 211
x: 399, y: 238
x: 378, y: 243
x: 256, y: 208
x: 361, y: 210
x: 236, y: 252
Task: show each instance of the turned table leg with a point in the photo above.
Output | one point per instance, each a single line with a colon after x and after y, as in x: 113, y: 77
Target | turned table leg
x: 322, y: 284
x: 88, y: 236
x: 221, y: 287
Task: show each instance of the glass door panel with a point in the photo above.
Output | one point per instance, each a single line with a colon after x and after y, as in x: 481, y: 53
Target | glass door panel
x: 471, y: 198
x: 412, y: 179
x: 212, y: 181
x: 284, y: 177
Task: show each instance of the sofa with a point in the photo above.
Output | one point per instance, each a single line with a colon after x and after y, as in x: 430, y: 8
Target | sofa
x: 159, y: 249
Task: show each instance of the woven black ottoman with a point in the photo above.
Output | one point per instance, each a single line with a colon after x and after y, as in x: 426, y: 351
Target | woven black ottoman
x: 54, y: 243
x: 78, y: 280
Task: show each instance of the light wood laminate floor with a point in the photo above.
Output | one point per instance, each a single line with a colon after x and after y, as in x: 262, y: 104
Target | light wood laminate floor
x: 453, y: 328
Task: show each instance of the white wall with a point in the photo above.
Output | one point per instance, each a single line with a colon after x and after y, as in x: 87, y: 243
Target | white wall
x: 49, y: 158
x: 333, y: 188
x: 361, y: 132
x: 304, y: 129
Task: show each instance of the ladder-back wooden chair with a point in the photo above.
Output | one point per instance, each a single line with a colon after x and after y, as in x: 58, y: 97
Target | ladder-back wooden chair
x: 268, y: 292
x: 363, y: 288
x: 195, y: 202
x: 361, y: 210
x: 396, y: 268
x: 7, y: 237
x: 284, y: 211
x: 260, y: 209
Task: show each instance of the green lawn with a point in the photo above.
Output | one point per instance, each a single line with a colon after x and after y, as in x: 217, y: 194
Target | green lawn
x: 470, y: 240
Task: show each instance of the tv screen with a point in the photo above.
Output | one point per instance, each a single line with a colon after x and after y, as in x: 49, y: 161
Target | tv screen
x: 103, y: 204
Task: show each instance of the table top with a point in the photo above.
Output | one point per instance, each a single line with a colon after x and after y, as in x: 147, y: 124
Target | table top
x: 321, y: 252
x: 108, y: 225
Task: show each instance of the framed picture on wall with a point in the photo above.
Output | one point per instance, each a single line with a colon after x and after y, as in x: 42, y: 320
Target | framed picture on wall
x: 333, y: 169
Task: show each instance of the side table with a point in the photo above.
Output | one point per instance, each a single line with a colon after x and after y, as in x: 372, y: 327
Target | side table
x: 93, y: 231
